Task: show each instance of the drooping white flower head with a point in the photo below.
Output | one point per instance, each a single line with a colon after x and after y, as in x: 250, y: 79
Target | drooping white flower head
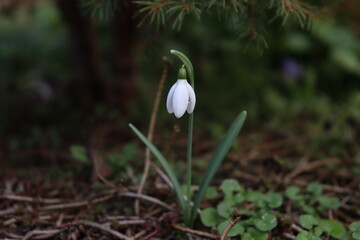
x: 181, y: 97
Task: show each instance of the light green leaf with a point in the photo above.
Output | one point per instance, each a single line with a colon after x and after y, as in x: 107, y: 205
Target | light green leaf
x: 329, y: 202
x: 334, y: 228
x: 305, y: 235
x: 220, y: 152
x: 356, y: 235
x: 225, y: 209
x: 315, y: 188
x: 261, y: 236
x: 308, y: 221
x: 254, y: 234
x: 228, y: 186
x: 355, y: 226
x: 347, y: 59
x: 254, y: 197
x: 266, y: 222
x: 274, y: 200
x: 164, y: 164
x: 292, y: 192
x: 209, y: 217
x: 211, y: 192
x: 318, y: 231
x: 79, y: 153
x: 239, y: 198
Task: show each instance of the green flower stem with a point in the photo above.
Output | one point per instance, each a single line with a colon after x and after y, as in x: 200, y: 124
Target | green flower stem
x: 190, y: 71
x: 188, y: 168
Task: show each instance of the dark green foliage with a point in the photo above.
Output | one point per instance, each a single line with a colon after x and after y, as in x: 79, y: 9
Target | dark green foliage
x: 312, y: 201
x: 249, y: 19
x: 100, y: 10
x: 260, y: 213
x: 255, y: 222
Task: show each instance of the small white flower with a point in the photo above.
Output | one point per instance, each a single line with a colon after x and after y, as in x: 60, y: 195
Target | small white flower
x: 181, y: 98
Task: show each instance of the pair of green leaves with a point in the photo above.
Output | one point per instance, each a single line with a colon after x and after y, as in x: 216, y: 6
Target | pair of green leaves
x: 214, y: 164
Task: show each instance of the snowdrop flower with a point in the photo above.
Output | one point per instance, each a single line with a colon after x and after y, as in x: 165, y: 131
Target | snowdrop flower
x: 181, y: 97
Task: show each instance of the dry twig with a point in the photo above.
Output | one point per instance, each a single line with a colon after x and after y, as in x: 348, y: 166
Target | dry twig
x: 167, y: 63
x: 147, y: 198
x: 234, y: 220
x: 30, y: 199
x: 105, y: 229
x: 195, y: 232
x: 76, y: 204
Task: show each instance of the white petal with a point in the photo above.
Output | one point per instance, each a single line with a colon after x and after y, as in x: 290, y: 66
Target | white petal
x: 170, y: 97
x: 180, y: 99
x: 192, y: 98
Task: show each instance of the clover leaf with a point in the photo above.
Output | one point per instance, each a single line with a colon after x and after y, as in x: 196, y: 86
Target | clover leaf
x: 292, y: 192
x: 225, y: 209
x: 209, y: 217
x: 228, y: 186
x: 329, y: 202
x: 274, y: 200
x: 355, y: 228
x: 266, y: 222
x: 211, y: 192
x: 308, y: 221
x: 305, y: 235
x: 334, y: 228
x: 315, y: 188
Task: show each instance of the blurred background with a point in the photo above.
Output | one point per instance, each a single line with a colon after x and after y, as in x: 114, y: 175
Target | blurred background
x: 67, y: 78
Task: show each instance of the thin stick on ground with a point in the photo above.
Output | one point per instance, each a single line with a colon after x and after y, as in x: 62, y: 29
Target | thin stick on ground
x: 195, y: 232
x: 76, y: 204
x: 147, y: 198
x: 94, y: 157
x: 105, y: 229
x: 30, y: 199
x: 42, y: 233
x: 167, y: 63
x: 162, y: 175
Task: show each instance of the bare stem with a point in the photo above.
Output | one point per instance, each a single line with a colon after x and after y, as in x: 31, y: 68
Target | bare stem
x: 151, y: 132
x: 234, y: 220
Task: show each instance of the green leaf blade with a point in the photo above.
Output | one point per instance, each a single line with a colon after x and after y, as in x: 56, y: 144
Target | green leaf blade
x: 220, y: 152
x: 164, y: 164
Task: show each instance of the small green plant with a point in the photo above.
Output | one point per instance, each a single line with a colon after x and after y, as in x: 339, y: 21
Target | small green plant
x: 316, y: 227
x: 117, y: 162
x: 79, y: 153
x: 355, y: 230
x: 182, y: 99
x: 312, y: 201
x: 257, y: 218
